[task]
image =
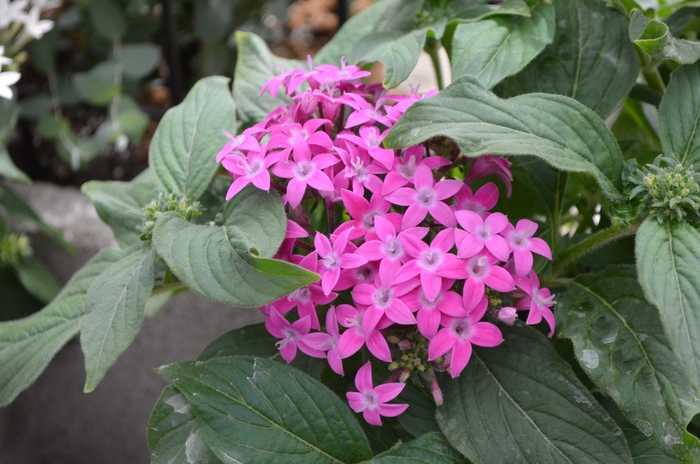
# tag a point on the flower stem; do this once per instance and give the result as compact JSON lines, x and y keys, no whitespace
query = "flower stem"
{"x":432,"y":46}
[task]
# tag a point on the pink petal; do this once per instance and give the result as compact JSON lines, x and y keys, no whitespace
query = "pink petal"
{"x":486,"y":334}
{"x":498,"y":246}
{"x":384,"y":228}
{"x":392,"y":410}
{"x":295,"y":192}
{"x":455,"y":269}
{"x":393,"y":181}
{"x":356,"y":205}
{"x":496,"y":222}
{"x":413,"y":245}
{"x":329,"y":279}
{"x":428,"y":321}
{"x":355,"y":401}
{"x":423,"y":178}
{"x":372,"y":317}
{"x":461,"y":353}
{"x":398,"y":312}
{"x":440,"y":344}
{"x":352,"y":261}
{"x":431,"y":284}
{"x":372,"y":416}
{"x":388,"y":391}
{"x":402,"y":197}
{"x":262,"y":180}
{"x":323,"y":245}
{"x":289,"y":352}
{"x":443,"y":241}
{"x":350,"y":343}
{"x":470,"y":246}
{"x":443,"y":214}
{"x":499,"y":279}
{"x":363,"y":379}
{"x":523,"y":261}
{"x":452,"y":305}
{"x":539,"y":246}
{"x":469,"y":220}
{"x":414,"y":215}
{"x":487,"y":195}
{"x":472,"y":293}
{"x":236,"y":187}
{"x":407,"y":271}
{"x":335,"y":362}
{"x":372,"y":250}
{"x":320,"y":181}
{"x":447,"y":189}
{"x":377,"y":345}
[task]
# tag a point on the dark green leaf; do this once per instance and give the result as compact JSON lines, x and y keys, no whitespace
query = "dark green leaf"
{"x":255,"y":66}
{"x":643,"y":451}
{"x":654,"y":38}
{"x":182,"y":154}
{"x":107,"y":18}
{"x":37,"y":280}
{"x":35,"y":106}
{"x":419,"y":418}
{"x":119,"y":205}
{"x":16,"y":301}
{"x":255,"y":340}
{"x":500,"y":46}
{"x":114,"y":312}
{"x":620,"y":344}
{"x":679,"y":116}
{"x":174,"y":436}
{"x":353,"y":30}
{"x":252,"y":409}
{"x":431,"y":448}
{"x":213,"y":19}
{"x":51,"y":126}
{"x":587,"y":31}
{"x":216,"y":262}
{"x":668,"y":264}
{"x":8,"y":118}
{"x":43,"y":51}
{"x":139,"y":60}
{"x":521,"y":402}
{"x":94,"y":89}
{"x":27,"y":345}
{"x":8,"y":169}
{"x":557,"y":129}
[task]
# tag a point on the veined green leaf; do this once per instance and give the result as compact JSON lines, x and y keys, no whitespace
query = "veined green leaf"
{"x":183,"y":150}
{"x":590,"y":60}
{"x":620,"y":344}
{"x":216,"y":262}
{"x":557,"y":129}
{"x":668,"y":265}
{"x":431,"y":448}
{"x":643,"y":451}
{"x":655,"y":39}
{"x":494,"y":48}
{"x":114,"y":308}
{"x":679,"y":116}
{"x":521,"y":402}
{"x":254,"y":67}
{"x":174,"y":436}
{"x":251,"y":409}
{"x":27,"y":345}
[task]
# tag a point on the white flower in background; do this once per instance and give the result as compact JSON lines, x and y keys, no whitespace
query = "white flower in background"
{"x":3,"y":59}
{"x":33,"y":25}
{"x":6,"y":80}
{"x":11,"y":12}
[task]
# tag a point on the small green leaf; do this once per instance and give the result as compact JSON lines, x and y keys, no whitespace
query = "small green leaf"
{"x":114,"y":312}
{"x":174,"y":436}
{"x":255,"y":410}
{"x":37,"y":280}
{"x":107,"y":18}
{"x":521,"y":402}
{"x":620,"y":344}
{"x":431,"y":448}
{"x":254,"y":67}
{"x":182,"y":154}
{"x":119,"y":205}
{"x":655,"y":39}
{"x":139,"y":60}
{"x":27,"y":345}
{"x":216,"y":263}
{"x":8,"y":118}
{"x":557,"y":129}
{"x":51,"y":126}
{"x":679,"y":116}
{"x":353,"y":30}
{"x":8,"y":169}
{"x":500,"y":46}
{"x":94,"y":89}
{"x":590,"y":60}
{"x":668,"y":264}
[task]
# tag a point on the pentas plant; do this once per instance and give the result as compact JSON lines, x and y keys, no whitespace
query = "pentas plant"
{"x":420,"y":259}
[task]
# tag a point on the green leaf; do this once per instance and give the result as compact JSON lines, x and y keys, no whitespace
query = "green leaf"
{"x":256,"y":65}
{"x":114,"y":312}
{"x":35,"y":106}
{"x":352,"y":31}
{"x":259,"y":216}
{"x":14,"y":206}
{"x":37,"y":280}
{"x":655,"y":39}
{"x":398,"y":51}
{"x":8,"y":169}
{"x":216,"y":262}
{"x":255,"y":340}
{"x":94,"y":89}
{"x":521,"y":402}
{"x":620,"y":344}
{"x":51,"y":126}
{"x":255,"y":410}
{"x":679,"y":116}
{"x":43,"y":51}
{"x":431,"y":448}
{"x":586,"y":31}
{"x":27,"y":345}
{"x":550,"y":183}
{"x":183,"y":149}
{"x":643,"y":451}
{"x":139,"y":60}
{"x":119,"y":205}
{"x":107,"y":18}
{"x":16,"y":301}
{"x":8,"y":118}
{"x":419,"y":418}
{"x":212,"y":20}
{"x":500,"y":46}
{"x":174,"y":436}
{"x":668,"y":265}
{"x":557,"y":129}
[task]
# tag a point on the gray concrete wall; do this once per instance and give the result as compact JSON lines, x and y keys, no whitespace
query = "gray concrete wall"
{"x":54,"y":422}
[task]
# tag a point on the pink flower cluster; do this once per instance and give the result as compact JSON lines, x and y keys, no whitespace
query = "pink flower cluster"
{"x":419,"y":250}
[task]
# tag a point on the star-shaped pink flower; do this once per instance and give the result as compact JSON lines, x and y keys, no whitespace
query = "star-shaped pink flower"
{"x":371,"y":401}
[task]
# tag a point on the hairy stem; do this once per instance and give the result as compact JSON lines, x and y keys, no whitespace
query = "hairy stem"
{"x":432,"y":46}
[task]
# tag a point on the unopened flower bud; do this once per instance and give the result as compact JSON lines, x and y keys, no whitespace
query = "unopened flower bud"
{"x":405,"y":345}
{"x":393,"y":339}
{"x":507,"y":315}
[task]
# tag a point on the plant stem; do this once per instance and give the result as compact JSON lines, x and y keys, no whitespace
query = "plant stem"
{"x":591,"y":243}
{"x":432,"y":46}
{"x":653,"y":78}
{"x":330,"y":212}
